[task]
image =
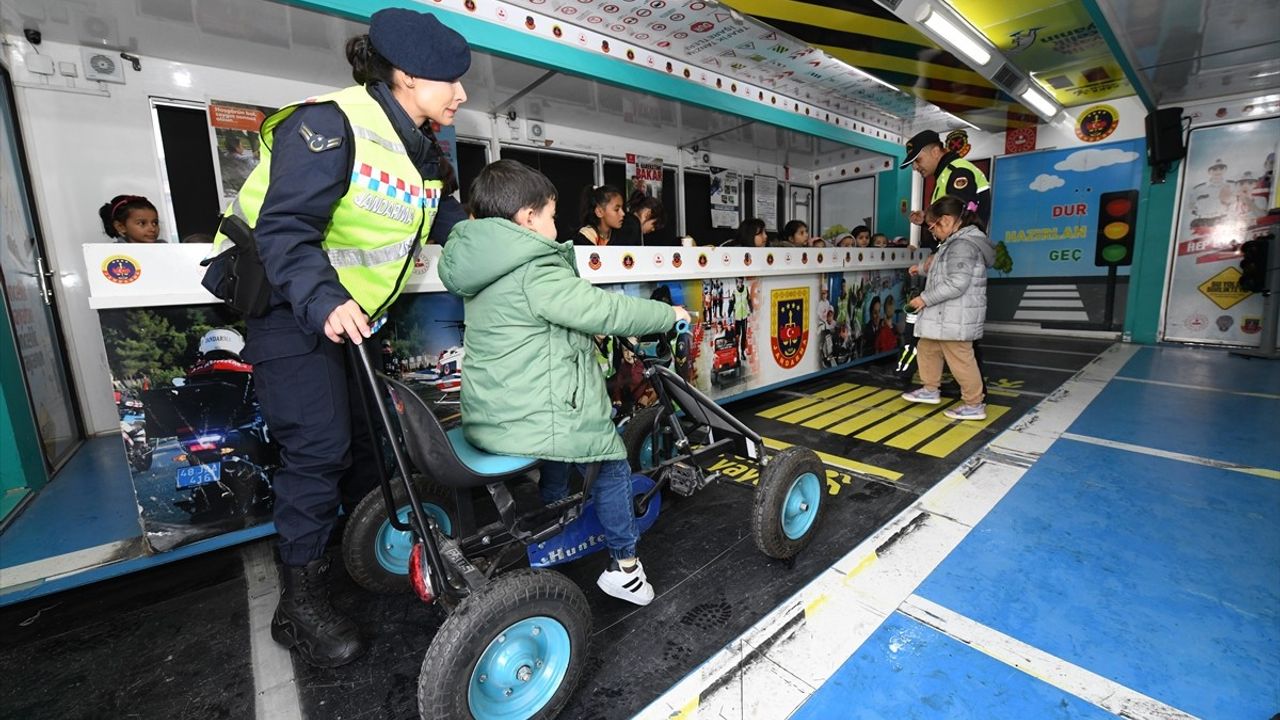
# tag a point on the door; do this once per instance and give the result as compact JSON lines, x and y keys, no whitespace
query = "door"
{"x":28,"y":294}
{"x":802,"y":206}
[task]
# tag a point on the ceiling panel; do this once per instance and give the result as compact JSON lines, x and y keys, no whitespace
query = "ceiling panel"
{"x":1054,"y":41}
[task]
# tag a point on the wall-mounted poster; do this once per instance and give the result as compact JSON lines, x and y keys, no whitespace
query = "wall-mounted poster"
{"x":1226,"y":180}
{"x":236,"y":142}
{"x":724,"y":198}
{"x":765,"y":190}
{"x":644,"y":176}
{"x":1045,"y":206}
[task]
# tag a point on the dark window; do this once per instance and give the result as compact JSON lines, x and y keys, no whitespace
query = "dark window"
{"x":697,"y":211}
{"x":569,"y":173}
{"x":472,"y":157}
{"x":188,"y":163}
{"x":615,"y":174}
{"x":783,"y":210}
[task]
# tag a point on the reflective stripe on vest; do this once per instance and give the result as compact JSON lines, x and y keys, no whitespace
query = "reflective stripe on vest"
{"x":387,"y":210}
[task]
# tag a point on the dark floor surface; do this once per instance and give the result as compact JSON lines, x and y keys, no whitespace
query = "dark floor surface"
{"x":173,"y":642}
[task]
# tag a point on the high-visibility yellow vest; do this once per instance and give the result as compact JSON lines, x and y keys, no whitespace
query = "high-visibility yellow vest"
{"x":384,"y":217}
{"x":944,"y":178}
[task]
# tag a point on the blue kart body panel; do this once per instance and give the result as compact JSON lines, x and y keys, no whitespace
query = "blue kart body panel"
{"x":585,"y":535}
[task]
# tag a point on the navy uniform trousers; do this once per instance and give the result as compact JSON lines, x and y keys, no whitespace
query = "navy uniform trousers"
{"x":306,"y":387}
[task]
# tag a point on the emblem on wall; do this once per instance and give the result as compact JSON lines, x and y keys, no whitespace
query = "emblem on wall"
{"x":1097,"y":123}
{"x":593,"y":261}
{"x":958,"y":142}
{"x":789,"y":325}
{"x":676,"y":261}
{"x":121,"y":269}
{"x":628,"y":261}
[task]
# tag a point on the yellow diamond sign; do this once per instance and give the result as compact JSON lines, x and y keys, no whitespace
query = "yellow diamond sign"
{"x":1224,"y":288}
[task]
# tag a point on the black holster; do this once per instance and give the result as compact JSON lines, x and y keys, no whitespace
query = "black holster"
{"x":236,"y":275}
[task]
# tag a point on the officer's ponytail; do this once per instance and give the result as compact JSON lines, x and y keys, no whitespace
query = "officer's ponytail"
{"x":367,"y":64}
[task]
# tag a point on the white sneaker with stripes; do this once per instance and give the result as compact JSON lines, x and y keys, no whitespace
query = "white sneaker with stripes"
{"x":630,"y":585}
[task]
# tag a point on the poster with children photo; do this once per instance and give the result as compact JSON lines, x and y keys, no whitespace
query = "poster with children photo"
{"x":236,"y":142}
{"x":881,"y":312}
{"x":200,"y":454}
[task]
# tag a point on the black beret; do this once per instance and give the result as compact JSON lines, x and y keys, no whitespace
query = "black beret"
{"x":419,"y":44}
{"x":918,"y":142}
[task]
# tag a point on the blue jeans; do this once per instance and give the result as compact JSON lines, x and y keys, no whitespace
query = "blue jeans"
{"x":612,"y":495}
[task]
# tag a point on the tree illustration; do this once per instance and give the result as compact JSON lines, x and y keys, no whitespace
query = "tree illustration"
{"x":1003,"y":262}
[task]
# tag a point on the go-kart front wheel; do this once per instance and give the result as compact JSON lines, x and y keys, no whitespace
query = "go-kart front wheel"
{"x":646,"y":444}
{"x":789,"y":503}
{"x":513,"y":649}
{"x":375,"y":553}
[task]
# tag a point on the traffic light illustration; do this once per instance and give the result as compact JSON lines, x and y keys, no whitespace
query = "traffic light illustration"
{"x":1117,"y":228}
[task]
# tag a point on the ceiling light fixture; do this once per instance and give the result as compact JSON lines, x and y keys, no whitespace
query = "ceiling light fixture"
{"x":959,"y":119}
{"x":874,"y":79}
{"x":1037,"y":101}
{"x":953,"y":35}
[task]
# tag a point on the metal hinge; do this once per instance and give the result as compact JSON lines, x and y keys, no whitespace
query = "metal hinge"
{"x":45,"y":277}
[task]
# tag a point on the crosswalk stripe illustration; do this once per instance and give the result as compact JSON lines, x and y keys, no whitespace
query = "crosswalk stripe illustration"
{"x":1051,"y":302}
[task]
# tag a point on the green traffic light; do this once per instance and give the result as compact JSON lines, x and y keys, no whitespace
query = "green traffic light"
{"x":1114,"y":253}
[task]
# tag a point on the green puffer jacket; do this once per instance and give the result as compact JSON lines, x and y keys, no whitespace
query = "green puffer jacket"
{"x":531,"y":385}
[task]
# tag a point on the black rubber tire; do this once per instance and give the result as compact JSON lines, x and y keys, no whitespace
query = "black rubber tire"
{"x":360,"y":536}
{"x":638,"y":428}
{"x":462,"y":639}
{"x":771,"y":493}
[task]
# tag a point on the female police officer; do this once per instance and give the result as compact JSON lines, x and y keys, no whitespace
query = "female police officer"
{"x":349,"y":186}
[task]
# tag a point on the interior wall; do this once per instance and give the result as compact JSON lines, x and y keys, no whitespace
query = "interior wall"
{"x":87,"y":145}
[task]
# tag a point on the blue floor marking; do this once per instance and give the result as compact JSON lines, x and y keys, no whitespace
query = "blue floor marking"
{"x":1207,"y":368}
{"x":1161,"y":575}
{"x":908,"y":670}
{"x":1234,"y":428}
{"x":90,"y":502}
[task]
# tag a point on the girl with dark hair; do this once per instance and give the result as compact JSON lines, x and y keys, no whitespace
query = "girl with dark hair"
{"x":751,"y":233}
{"x":796,"y":232}
{"x":130,"y":219}
{"x":336,"y":247}
{"x":601,"y":215}
{"x":953,"y":307}
{"x":645,"y":215}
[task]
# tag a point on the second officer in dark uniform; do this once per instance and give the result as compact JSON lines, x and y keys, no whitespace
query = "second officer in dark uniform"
{"x":351,"y":184}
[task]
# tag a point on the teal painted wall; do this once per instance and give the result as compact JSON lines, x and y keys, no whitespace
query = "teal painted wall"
{"x":1151,"y":258}
{"x":892,"y":188}
{"x":21,"y":463}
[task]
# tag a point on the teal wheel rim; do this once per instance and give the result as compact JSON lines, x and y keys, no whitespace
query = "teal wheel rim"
{"x":520,"y":671}
{"x":392,"y":547}
{"x":800,"y":507}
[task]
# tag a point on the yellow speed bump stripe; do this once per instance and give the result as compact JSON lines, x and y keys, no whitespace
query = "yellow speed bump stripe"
{"x":794,"y":405}
{"x":871,"y":415}
{"x":826,"y":406}
{"x":842,"y":463}
{"x":851,"y":408}
{"x":946,"y":443}
{"x":880,"y":431}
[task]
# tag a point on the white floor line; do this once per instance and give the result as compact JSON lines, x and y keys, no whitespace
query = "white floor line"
{"x":65,"y":564}
{"x":985,"y":345}
{"x":1029,"y":367}
{"x":1065,"y":286}
{"x":773,"y":667}
{"x":1207,"y":388}
{"x":1033,"y":328}
{"x":1091,"y":687}
{"x":1208,"y":462}
{"x":1041,"y":294}
{"x":276,"y":690}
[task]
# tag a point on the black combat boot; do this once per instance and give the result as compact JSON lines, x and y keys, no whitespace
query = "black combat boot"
{"x":306,"y":621}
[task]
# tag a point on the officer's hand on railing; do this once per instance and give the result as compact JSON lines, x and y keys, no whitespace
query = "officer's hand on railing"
{"x":348,"y":319}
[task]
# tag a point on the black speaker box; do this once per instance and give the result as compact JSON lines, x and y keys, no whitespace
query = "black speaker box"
{"x":1164,"y":136}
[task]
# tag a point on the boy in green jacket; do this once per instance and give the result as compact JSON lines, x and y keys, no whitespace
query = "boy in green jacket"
{"x":530,"y":383}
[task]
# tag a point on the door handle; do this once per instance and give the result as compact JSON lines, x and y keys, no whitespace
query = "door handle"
{"x":45,"y":277}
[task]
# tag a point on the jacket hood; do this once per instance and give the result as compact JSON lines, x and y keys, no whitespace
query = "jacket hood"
{"x":979,"y":240}
{"x":480,"y":252}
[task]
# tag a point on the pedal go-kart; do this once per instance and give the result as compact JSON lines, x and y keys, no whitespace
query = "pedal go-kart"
{"x":514,"y":642}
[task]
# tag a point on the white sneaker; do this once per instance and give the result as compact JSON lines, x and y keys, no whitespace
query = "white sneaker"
{"x":631,"y":586}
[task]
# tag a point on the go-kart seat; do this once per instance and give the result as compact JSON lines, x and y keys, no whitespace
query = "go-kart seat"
{"x":447,"y":457}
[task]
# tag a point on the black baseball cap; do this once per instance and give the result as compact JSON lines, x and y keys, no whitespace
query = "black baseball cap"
{"x":918,"y":142}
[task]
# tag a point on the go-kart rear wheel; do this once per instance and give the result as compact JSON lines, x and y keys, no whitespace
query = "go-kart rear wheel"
{"x":788,"y":503}
{"x":375,"y":553}
{"x":514,"y":649}
{"x":645,"y":448}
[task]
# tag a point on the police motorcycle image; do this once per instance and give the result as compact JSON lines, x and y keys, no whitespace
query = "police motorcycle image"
{"x":139,"y":451}
{"x":514,"y":641}
{"x":224,"y":455}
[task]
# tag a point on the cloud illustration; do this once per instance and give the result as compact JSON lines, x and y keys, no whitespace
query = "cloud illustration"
{"x":1045,"y":182}
{"x":1091,"y":159}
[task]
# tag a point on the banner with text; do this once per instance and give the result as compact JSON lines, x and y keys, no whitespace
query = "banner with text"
{"x":724,"y":198}
{"x":1045,"y":208}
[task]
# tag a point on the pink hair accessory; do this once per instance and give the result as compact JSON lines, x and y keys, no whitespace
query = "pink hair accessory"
{"x":972,"y":206}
